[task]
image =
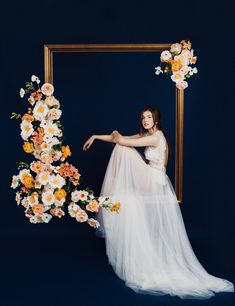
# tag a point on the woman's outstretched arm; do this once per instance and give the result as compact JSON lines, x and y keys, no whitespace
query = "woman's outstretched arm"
{"x":88,"y":143}
{"x":151,"y":140}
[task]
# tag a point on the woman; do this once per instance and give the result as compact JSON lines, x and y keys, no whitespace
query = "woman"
{"x":146,"y":243}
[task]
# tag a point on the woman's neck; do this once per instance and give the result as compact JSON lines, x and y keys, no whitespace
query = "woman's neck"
{"x":152,"y":131}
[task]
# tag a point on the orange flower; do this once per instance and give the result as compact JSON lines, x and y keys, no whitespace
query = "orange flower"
{"x":27,"y":117}
{"x":175,"y":65}
{"x":28,"y":147}
{"x":186,"y":44}
{"x":38,"y":209}
{"x":66,"y":151}
{"x":116,"y":207}
{"x":193,"y":60}
{"x":60,"y":194}
{"x":27,"y":180}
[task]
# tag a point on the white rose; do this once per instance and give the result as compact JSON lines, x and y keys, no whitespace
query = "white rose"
{"x":165,"y":56}
{"x":176,"y":48}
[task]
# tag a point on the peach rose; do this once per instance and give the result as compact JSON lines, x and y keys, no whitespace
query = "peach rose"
{"x":52,"y":101}
{"x":27,"y":117}
{"x":38,"y":209}
{"x":47,"y":89}
{"x":45,"y":158}
{"x":81,"y":216}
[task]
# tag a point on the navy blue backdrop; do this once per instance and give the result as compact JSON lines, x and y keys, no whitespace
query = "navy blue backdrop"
{"x":63,"y":263}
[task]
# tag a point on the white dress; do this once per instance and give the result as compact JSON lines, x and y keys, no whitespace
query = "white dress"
{"x":146,"y":242}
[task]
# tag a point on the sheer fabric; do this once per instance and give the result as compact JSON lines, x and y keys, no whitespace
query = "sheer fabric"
{"x":146,"y":242}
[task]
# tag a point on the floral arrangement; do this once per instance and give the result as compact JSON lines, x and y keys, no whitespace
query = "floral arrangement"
{"x":177,"y":62}
{"x":48,"y":184}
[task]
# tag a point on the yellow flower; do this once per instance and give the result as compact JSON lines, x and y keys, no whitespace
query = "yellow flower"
{"x":28,"y":147}
{"x":116,"y":207}
{"x":27,"y":180}
{"x":60,"y":194}
{"x":175,"y":65}
{"x":66,"y":151}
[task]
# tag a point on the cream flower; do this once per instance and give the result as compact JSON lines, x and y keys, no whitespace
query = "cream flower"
{"x":18,"y":198}
{"x":54,"y":114}
{"x":48,"y":197}
{"x":176,"y":47}
{"x":47,"y":89}
{"x":34,"y":78}
{"x":23,"y":173}
{"x":195,"y":70}
{"x":158,"y":70}
{"x":93,"y":223}
{"x":46,"y":217}
{"x":81,"y":216}
{"x":52,"y":101}
{"x":33,"y":219}
{"x":22,"y":92}
{"x":185,"y":69}
{"x":25,"y":202}
{"x":165,"y":56}
{"x":44,"y":177}
{"x":33,"y":199}
{"x":37,"y":153}
{"x":177,"y":76}
{"x":45,"y":147}
{"x":40,"y":110}
{"x":57,"y":181}
{"x":183,"y":59}
{"x":51,"y":129}
{"x":79,"y":195}
{"x":26,"y":129}
{"x":15,"y":181}
{"x":73,"y":209}
{"x":182,"y":85}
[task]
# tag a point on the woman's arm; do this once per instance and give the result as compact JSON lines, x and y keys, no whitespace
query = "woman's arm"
{"x":151,"y":140}
{"x":132,"y":136}
{"x":89,"y":142}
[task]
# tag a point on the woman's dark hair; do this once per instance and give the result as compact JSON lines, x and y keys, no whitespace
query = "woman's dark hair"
{"x":156,"y":114}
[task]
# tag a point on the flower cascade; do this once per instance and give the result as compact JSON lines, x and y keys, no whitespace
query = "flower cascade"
{"x":49,"y":183}
{"x":177,"y":63}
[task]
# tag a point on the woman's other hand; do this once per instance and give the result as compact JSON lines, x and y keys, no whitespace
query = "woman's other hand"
{"x":88,"y":143}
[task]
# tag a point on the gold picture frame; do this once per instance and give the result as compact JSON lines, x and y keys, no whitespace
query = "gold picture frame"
{"x":50,"y":49}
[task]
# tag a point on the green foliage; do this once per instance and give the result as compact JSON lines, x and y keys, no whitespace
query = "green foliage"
{"x":15,"y":116}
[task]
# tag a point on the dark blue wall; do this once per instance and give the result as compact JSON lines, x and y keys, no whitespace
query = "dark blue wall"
{"x":53,"y":258}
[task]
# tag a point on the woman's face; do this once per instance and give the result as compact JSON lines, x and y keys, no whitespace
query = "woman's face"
{"x":147,"y":120}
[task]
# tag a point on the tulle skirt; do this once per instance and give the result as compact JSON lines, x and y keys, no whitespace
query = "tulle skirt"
{"x":146,"y":242}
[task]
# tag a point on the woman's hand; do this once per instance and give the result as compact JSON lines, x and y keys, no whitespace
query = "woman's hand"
{"x":116,"y":137}
{"x":88,"y":143}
